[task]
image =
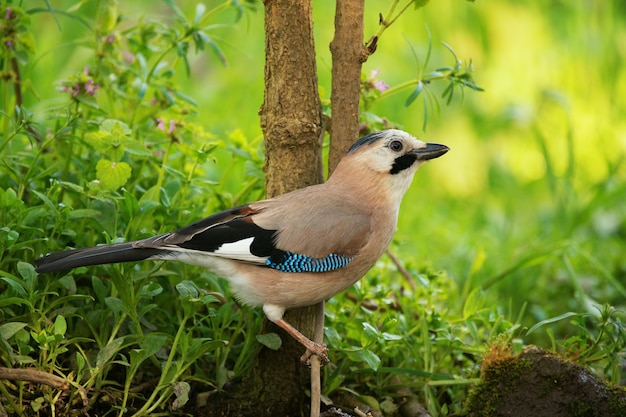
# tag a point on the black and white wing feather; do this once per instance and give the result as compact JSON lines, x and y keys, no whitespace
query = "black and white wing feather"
{"x":231,"y":234}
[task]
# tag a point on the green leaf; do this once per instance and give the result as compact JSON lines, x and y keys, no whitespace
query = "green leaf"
{"x":391,"y":337}
{"x":474,"y":302}
{"x":99,"y":140}
{"x":107,"y":15}
{"x":27,"y":271}
{"x":434,"y":75}
{"x":116,"y":128}
{"x":136,"y":357}
{"x":131,"y":205}
{"x":200,"y":10}
{"x":60,"y":326}
{"x":150,"y":199}
{"x":417,"y":373}
{"x":111,"y":138}
{"x":112,"y":175}
{"x":150,"y":290}
{"x":141,"y":59}
{"x":414,"y":94}
{"x":370,"y":332}
{"x":365,"y":355}
{"x":333,"y":337}
{"x":187,"y":289}
{"x":186,"y":98}
{"x":13,"y":301}
{"x":176,"y":10}
{"x":270,"y":340}
{"x":99,"y":289}
{"x":9,"y":198}
{"x":7,"y":330}
{"x":372,"y":360}
{"x":82,"y":213}
{"x":80,"y":362}
{"x":71,"y":186}
{"x":117,"y":305}
{"x":37,"y":403}
{"x":551,"y":320}
{"x":42,"y":338}
{"x":136,"y":147}
{"x":153,"y":342}
{"x":109,"y":351}
{"x":45,"y":200}
{"x":181,"y":390}
{"x":217,"y":51}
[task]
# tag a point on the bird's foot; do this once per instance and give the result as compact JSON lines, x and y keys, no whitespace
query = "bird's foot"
{"x":318,"y":349}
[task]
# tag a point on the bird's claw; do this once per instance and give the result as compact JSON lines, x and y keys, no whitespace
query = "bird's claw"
{"x":318,"y":349}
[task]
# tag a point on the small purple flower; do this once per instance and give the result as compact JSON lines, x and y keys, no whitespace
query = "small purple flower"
{"x":9,"y":43}
{"x":75,"y":90}
{"x":86,"y":70}
{"x":91,"y":87}
{"x":172,"y":126}
{"x":381,"y":86}
{"x":8,"y":13}
{"x":160,"y":124}
{"x":153,"y":101}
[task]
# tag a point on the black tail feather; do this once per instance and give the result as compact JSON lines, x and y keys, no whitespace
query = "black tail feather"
{"x":107,"y":254}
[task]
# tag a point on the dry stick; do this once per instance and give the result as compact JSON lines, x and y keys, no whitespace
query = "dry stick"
{"x":33,"y":375}
{"x":316,"y":374}
{"x":405,"y":273}
{"x":318,"y":337}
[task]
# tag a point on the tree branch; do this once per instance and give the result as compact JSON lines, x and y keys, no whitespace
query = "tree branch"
{"x":34,"y":375}
{"x":348,"y":54}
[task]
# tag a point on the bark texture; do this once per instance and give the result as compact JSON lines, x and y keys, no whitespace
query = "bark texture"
{"x":348,"y":54}
{"x":291,"y":119}
{"x":291,"y":122}
{"x":291,"y":111}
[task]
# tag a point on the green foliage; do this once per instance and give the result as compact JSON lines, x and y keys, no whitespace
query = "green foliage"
{"x":66,"y":170}
{"x":457,"y":76}
{"x":517,"y":235}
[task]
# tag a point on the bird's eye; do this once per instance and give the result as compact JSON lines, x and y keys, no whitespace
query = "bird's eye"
{"x":395,"y":145}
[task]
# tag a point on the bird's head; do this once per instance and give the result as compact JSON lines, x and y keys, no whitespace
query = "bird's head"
{"x":388,"y":158}
{"x":394,"y":151}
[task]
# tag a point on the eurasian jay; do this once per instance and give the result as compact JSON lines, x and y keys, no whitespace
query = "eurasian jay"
{"x":297,"y":249}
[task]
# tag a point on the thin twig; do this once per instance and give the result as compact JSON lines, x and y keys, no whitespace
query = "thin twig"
{"x":34,"y":375}
{"x":405,"y":273}
{"x":316,"y":374}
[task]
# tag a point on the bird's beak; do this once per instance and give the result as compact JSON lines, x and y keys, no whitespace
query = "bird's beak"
{"x":431,"y":151}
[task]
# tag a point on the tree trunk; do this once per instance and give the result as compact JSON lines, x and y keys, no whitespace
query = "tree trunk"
{"x":348,"y":54}
{"x":291,"y":111}
{"x":291,"y":119}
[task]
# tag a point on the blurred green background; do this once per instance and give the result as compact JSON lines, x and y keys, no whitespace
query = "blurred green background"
{"x":523,"y":221}
{"x":530,"y":202}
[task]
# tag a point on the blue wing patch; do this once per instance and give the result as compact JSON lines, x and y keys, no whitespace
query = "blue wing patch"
{"x":293,"y":262}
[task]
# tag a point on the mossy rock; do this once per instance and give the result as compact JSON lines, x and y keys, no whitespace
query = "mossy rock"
{"x":540,"y":383}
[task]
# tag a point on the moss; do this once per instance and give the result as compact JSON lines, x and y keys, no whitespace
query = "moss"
{"x":540,"y":383}
{"x":580,"y":408}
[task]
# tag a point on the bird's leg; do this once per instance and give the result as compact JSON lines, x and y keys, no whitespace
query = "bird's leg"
{"x":312,"y":348}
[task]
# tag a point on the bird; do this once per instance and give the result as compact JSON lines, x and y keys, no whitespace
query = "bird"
{"x":296,"y":249}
